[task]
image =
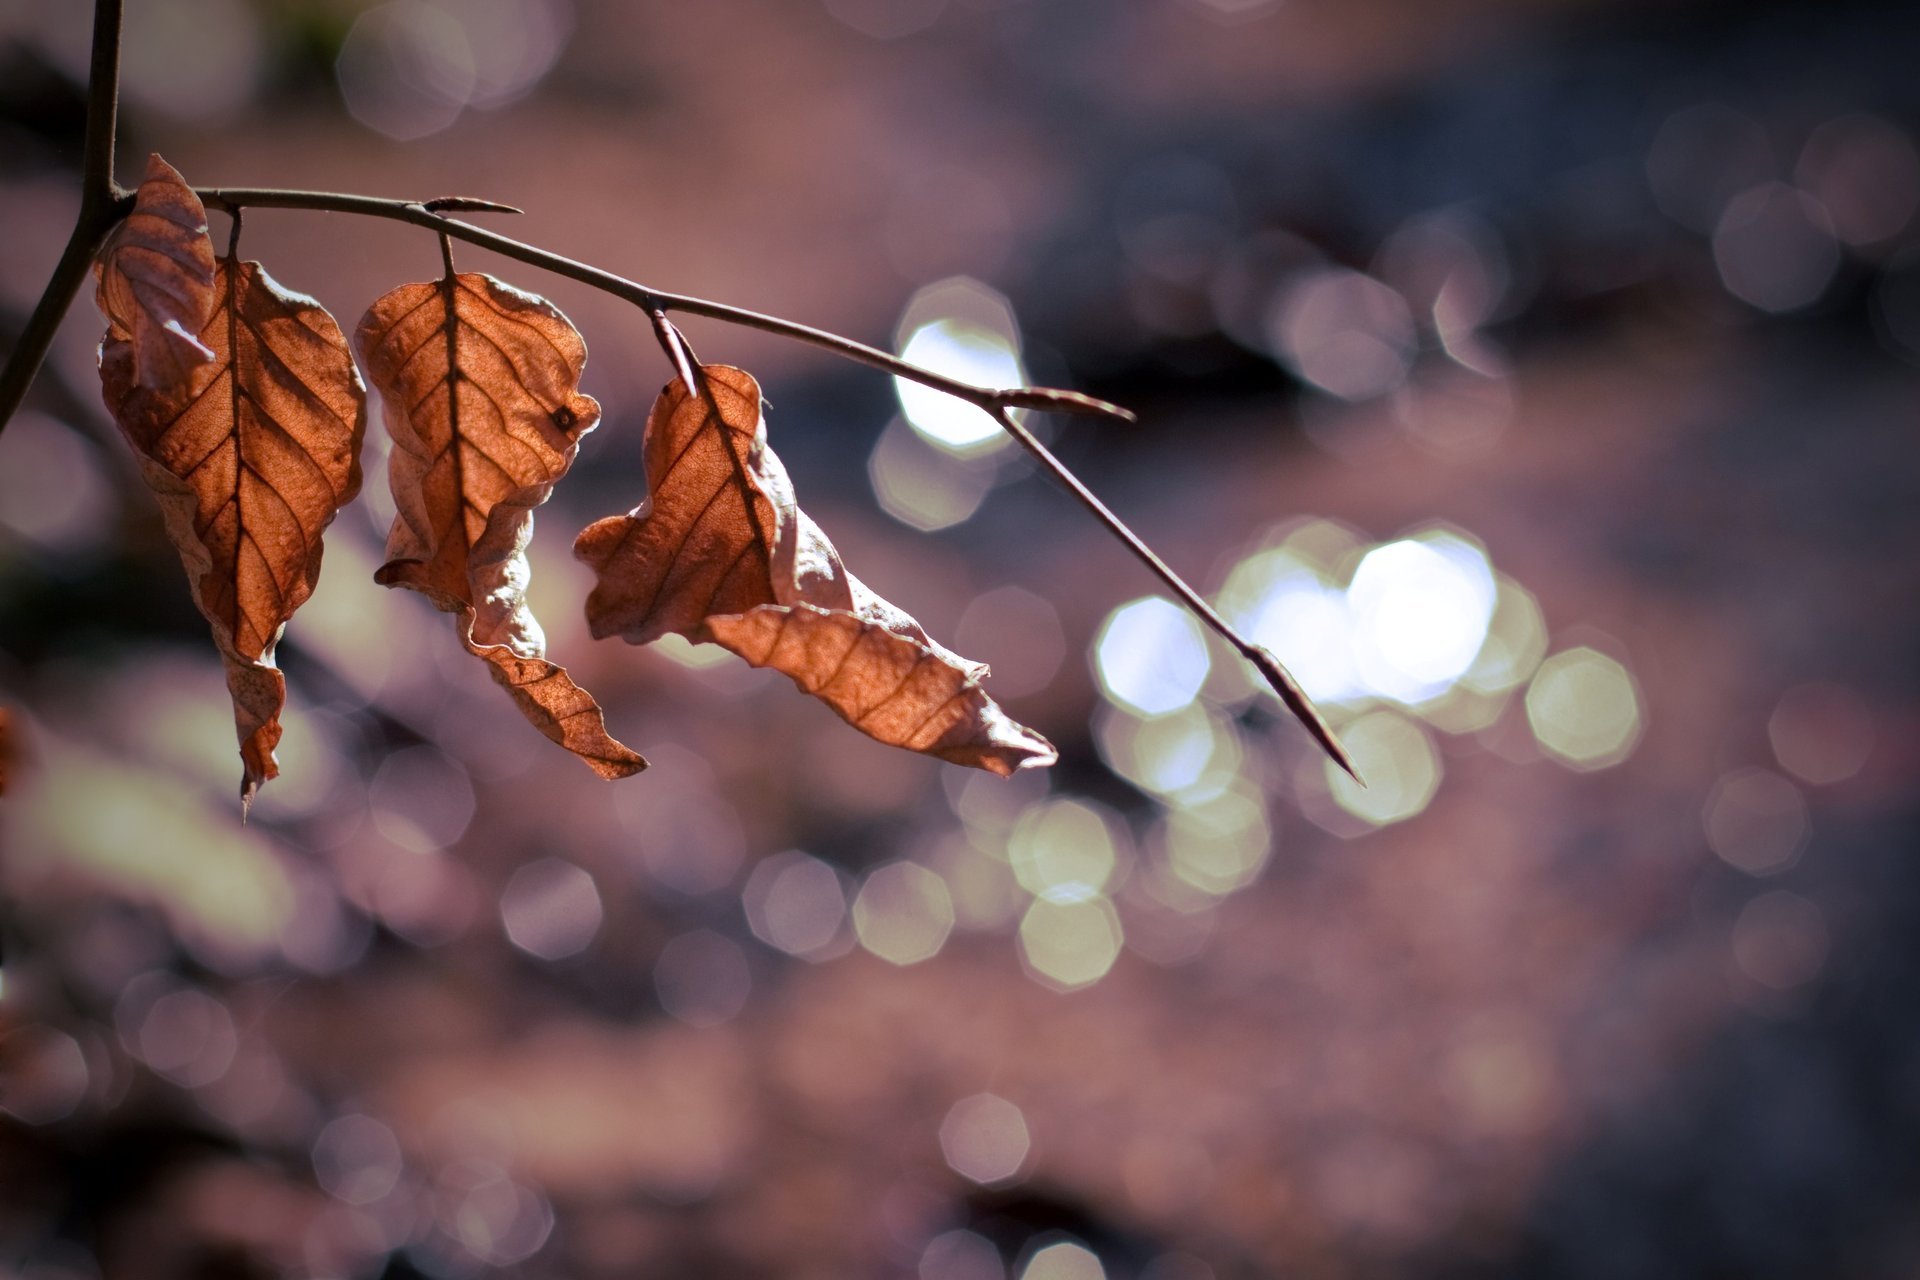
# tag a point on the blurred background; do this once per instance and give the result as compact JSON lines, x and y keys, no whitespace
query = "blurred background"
{"x":1536,"y":377}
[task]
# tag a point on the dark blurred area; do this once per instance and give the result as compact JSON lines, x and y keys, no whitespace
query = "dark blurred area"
{"x":1536,"y":377}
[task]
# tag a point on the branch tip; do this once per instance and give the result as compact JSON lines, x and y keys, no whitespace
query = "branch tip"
{"x":1302,"y":707}
{"x":1053,"y":400}
{"x":467,"y":204}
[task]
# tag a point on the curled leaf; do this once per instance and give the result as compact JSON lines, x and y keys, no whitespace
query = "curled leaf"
{"x":884,"y":684}
{"x":703,"y":541}
{"x":156,"y":284}
{"x":250,"y":453}
{"x":722,"y":552}
{"x":480,"y":388}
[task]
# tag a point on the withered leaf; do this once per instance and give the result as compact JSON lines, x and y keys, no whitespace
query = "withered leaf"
{"x":721,"y":552}
{"x":250,"y":454}
{"x":480,"y":384}
{"x":884,"y":684}
{"x":703,"y":541}
{"x":156,"y":280}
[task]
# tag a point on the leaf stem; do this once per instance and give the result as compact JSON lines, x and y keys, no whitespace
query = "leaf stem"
{"x":1262,"y":658}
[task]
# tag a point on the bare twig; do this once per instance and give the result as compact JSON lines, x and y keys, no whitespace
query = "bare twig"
{"x":1262,"y":658}
{"x":654,"y":300}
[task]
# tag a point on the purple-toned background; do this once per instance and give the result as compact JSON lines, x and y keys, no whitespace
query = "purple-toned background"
{"x":1537,"y":378}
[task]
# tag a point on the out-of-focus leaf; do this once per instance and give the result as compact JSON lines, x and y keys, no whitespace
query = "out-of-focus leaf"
{"x":721,"y":552}
{"x":156,"y":281}
{"x":250,"y":452}
{"x":480,"y":384}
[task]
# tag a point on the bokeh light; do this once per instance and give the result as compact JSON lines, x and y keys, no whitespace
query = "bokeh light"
{"x":1344,"y":332}
{"x":406,"y":69}
{"x":985,"y":1139}
{"x":1018,"y":634}
{"x":795,"y":902}
{"x":1821,"y":733}
{"x":1218,"y":845}
{"x":1286,"y":602}
{"x":923,"y":485}
{"x":1150,"y":656}
{"x":693,"y":845}
{"x":961,"y":1255}
{"x":409,"y":68}
{"x":1865,"y":171}
{"x":494,"y":1218}
{"x":551,"y":909}
{"x":1702,"y":156}
{"x":903,"y":913}
{"x":966,"y":331}
{"x":1397,"y":758}
{"x":180,"y":1031}
{"x":1410,"y":622}
{"x":1775,"y":248}
{"x":1420,"y":609}
{"x":1584,"y":708}
{"x":1186,"y":755}
{"x":1515,"y":643}
{"x":46,"y":1074}
{"x":1070,"y":943}
{"x":1063,"y":1260}
{"x":1064,"y":848}
{"x":1756,"y":820}
{"x":357,"y":1159}
{"x":422,"y":798}
{"x":57,"y":498}
{"x":702,"y":978}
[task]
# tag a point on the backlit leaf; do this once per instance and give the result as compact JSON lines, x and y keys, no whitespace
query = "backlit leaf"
{"x":884,"y":684}
{"x":480,"y":384}
{"x":156,"y":280}
{"x":251,"y":451}
{"x":703,"y":542}
{"x":721,"y":552}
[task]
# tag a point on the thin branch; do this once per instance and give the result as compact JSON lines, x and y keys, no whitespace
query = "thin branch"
{"x":654,"y":300}
{"x":101,"y":209}
{"x":37,"y":338}
{"x":1262,"y":658}
{"x":97,"y":188}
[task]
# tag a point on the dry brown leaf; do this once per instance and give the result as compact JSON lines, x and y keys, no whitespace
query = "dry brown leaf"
{"x":884,"y":684}
{"x":703,"y":541}
{"x":480,"y":384}
{"x":721,"y":551}
{"x":250,"y":453}
{"x":156,"y":280}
